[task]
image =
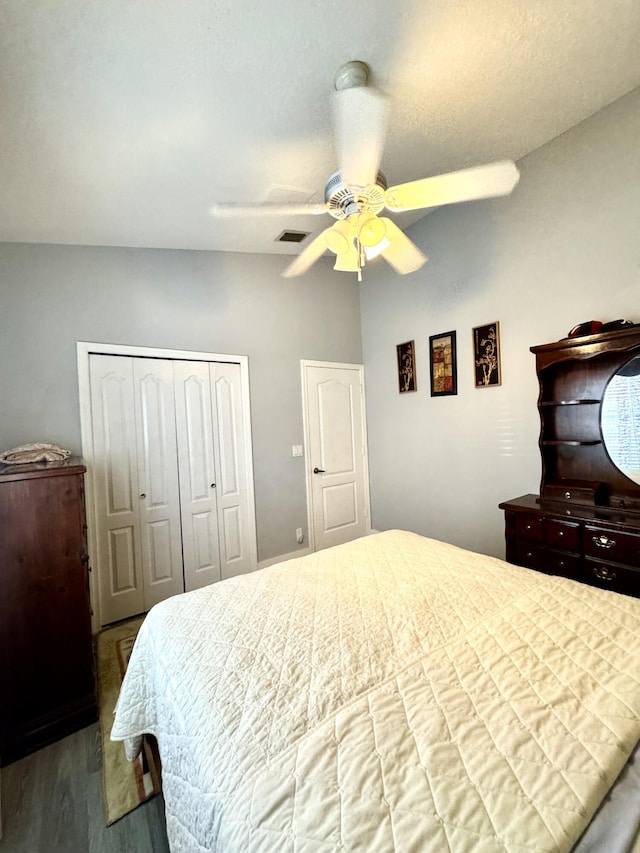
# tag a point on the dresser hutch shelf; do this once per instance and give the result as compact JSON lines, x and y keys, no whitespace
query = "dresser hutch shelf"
{"x":585,"y":523}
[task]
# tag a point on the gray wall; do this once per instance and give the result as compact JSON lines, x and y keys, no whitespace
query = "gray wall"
{"x":562,"y":249}
{"x":53,"y":296}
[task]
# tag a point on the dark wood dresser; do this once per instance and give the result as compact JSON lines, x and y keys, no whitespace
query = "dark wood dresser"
{"x":588,"y":544}
{"x":46,"y":653}
{"x":585,"y":524}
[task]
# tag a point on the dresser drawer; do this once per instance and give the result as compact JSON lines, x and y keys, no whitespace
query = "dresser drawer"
{"x":529,"y":527}
{"x":563,"y":564}
{"x":548,"y":560}
{"x":612,"y":576}
{"x":562,"y":534}
{"x":588,"y":492}
{"x":531,"y":555}
{"x":612,"y":545}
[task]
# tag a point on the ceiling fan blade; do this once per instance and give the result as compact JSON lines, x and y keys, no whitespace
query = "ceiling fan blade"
{"x":308,"y":256}
{"x":231,"y":210}
{"x":402,"y":253}
{"x":495,"y":179}
{"x":360,"y":119}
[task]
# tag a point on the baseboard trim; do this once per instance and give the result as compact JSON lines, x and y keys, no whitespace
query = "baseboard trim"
{"x":302,"y":552}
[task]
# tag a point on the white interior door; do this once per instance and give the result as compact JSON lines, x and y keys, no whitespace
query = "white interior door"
{"x":115,"y":487}
{"x":235,"y":499}
{"x":336,"y":453}
{"x":196,"y":461}
{"x":158,"y":494}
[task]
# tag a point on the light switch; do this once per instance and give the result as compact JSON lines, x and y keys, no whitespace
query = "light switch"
{"x":296,"y":450}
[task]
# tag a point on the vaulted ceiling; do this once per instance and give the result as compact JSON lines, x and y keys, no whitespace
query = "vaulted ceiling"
{"x":123,"y":122}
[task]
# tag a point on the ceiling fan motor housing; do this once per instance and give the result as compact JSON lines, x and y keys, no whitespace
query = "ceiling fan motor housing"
{"x":343,"y":200}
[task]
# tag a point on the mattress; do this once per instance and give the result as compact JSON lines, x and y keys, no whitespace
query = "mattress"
{"x":392,"y":694}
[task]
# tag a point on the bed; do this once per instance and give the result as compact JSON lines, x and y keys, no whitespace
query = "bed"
{"x":392,"y":694}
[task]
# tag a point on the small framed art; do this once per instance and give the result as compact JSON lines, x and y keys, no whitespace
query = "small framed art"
{"x":486,"y":355}
{"x":442,"y":361}
{"x":406,"y":367}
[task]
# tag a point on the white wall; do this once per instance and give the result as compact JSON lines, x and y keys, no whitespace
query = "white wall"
{"x":53,"y":296}
{"x":562,"y":249}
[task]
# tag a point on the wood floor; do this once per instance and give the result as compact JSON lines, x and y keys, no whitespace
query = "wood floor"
{"x":52,"y":803}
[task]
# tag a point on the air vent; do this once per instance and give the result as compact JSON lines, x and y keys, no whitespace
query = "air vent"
{"x":292,"y":236}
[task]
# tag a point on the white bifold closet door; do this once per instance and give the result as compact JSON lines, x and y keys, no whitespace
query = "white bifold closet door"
{"x":214,"y":497}
{"x":171,"y":479}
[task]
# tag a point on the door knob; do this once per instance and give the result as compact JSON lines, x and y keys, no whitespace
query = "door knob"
{"x":318,"y":470}
{"x":213,"y":485}
{"x":142,"y":496}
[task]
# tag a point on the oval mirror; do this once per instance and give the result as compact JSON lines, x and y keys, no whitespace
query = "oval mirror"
{"x":620,"y":419}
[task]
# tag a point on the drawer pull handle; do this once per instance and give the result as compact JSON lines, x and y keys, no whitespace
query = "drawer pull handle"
{"x":529,"y":555}
{"x":603,"y":542}
{"x":567,"y":495}
{"x":528,"y":527}
{"x":603,"y":573}
{"x":561,"y":533}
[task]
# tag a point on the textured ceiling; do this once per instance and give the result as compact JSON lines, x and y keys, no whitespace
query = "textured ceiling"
{"x":122,"y":122}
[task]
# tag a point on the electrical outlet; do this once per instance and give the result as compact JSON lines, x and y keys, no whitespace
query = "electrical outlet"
{"x":299,"y":536}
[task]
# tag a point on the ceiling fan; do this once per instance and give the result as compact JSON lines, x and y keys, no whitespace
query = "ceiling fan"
{"x":357,"y":193}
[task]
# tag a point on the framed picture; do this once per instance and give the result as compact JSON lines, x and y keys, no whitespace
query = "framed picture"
{"x":406,"y":367}
{"x":442,"y":360}
{"x":486,"y":355}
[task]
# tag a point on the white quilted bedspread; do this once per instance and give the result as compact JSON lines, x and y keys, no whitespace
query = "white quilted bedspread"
{"x":392,"y":694}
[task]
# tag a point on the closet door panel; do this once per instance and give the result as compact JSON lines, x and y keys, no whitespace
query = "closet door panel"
{"x":119,"y":554}
{"x":122,"y":559}
{"x":232,"y":526}
{"x":159,"y":494}
{"x":233,"y":495}
{"x":198,"y":487}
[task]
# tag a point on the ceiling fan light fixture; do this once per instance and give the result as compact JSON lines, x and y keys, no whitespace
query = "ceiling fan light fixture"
{"x":347,"y":261}
{"x":337,"y":242}
{"x":371,"y":230}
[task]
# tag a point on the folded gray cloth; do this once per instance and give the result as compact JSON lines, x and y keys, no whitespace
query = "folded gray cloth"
{"x":38,"y":452}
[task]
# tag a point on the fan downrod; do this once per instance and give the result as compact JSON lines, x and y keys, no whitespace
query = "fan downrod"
{"x":350,"y":75}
